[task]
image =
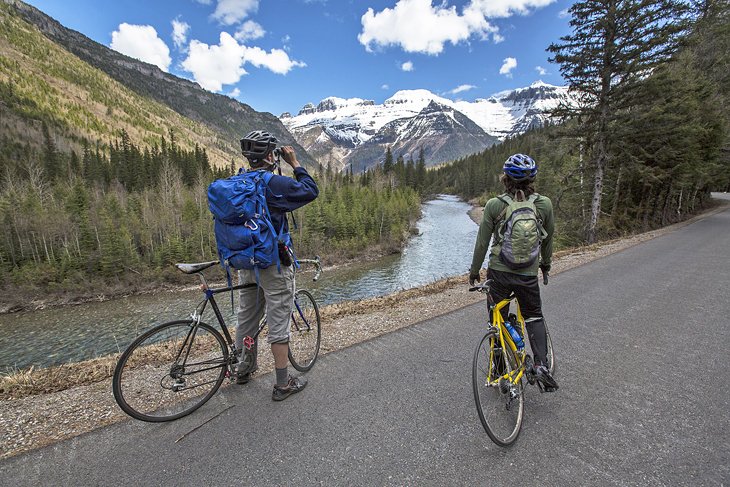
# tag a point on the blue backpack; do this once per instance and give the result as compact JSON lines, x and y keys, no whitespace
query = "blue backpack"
{"x":244,"y":233}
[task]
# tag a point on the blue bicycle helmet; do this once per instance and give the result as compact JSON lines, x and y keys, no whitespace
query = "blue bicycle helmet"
{"x":519,"y":167}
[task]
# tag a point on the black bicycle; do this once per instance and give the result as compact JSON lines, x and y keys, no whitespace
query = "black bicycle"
{"x":171,"y":370}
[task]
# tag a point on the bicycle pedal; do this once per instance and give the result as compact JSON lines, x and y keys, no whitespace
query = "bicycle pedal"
{"x":531,"y":379}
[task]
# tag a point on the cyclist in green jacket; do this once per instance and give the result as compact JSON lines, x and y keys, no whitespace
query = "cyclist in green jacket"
{"x":519,"y":174}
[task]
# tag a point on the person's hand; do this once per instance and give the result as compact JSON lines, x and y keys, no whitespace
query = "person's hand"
{"x":474,"y":279}
{"x":545,"y":268}
{"x":287,"y":153}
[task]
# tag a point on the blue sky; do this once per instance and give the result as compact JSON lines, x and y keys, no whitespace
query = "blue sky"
{"x":277,"y":55}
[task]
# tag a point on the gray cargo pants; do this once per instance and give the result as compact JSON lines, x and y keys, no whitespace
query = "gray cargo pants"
{"x":274,"y":294}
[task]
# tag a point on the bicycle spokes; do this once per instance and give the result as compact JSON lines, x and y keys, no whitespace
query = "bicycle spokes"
{"x":299,"y":316}
{"x":170,"y":371}
{"x":497,"y":384}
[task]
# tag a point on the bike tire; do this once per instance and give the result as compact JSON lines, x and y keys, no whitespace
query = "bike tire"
{"x":550,"y":351}
{"x":502,"y":423}
{"x":170,"y":371}
{"x":306,"y":332}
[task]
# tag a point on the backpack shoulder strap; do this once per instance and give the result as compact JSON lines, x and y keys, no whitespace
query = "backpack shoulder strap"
{"x":267,"y":175}
{"x":543,"y":233}
{"x":505,"y":198}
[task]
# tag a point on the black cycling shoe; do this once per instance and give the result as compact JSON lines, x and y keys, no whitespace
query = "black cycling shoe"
{"x":545,"y":380}
{"x":244,"y":377}
{"x":293,"y":385}
{"x":247,"y":366}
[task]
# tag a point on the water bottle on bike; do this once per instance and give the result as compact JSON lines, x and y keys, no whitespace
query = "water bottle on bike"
{"x":510,"y":324}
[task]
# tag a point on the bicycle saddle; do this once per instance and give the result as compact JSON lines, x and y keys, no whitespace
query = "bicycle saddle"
{"x":193,"y":268}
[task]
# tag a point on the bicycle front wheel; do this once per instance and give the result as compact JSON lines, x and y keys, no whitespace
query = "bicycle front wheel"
{"x":306,"y":333}
{"x":170,"y":371}
{"x":499,"y":402}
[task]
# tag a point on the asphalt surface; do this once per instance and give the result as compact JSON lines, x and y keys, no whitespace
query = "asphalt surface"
{"x":641,"y":338}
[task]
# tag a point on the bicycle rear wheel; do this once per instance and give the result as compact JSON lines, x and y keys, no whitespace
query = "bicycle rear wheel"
{"x":500,"y":404}
{"x":170,"y":371}
{"x":550,"y":353}
{"x":306,"y":333}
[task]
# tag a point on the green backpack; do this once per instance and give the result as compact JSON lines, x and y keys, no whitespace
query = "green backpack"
{"x":520,"y":233}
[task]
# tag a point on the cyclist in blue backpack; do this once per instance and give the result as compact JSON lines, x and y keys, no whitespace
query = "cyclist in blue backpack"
{"x":275,"y":290}
{"x":516,"y":256}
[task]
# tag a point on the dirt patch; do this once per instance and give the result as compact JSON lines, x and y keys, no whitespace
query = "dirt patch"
{"x":86,"y":402}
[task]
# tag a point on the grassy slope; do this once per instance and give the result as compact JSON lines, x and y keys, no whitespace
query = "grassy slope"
{"x":79,"y":101}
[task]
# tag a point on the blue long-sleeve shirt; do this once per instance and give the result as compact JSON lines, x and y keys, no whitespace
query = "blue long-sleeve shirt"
{"x":286,"y":194}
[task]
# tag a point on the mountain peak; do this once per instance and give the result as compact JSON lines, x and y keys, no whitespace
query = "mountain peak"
{"x":411,"y":96}
{"x":344,"y":130}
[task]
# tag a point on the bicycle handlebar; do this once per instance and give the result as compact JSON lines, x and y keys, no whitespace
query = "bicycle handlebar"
{"x":317,"y":266}
{"x":482,"y":288}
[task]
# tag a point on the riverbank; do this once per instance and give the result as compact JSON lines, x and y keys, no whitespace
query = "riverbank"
{"x":29,"y":419}
{"x":14,"y":301}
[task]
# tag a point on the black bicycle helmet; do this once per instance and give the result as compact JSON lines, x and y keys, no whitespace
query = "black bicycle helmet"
{"x":257,"y":144}
{"x":520,"y":167}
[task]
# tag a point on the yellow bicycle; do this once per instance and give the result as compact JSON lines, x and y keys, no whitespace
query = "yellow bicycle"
{"x":500,"y":369}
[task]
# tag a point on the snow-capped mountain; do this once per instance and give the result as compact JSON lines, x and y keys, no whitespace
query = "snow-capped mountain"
{"x":355,"y":131}
{"x":441,"y":131}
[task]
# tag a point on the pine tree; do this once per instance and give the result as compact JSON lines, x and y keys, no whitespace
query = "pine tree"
{"x":50,"y":154}
{"x":614,"y":45}
{"x":388,"y":164}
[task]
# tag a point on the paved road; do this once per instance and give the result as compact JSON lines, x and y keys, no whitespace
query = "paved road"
{"x":641,"y":339}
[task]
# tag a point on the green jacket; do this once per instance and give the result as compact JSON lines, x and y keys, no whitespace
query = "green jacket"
{"x":488,"y":230}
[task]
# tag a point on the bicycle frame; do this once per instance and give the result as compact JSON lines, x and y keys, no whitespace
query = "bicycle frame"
{"x":505,"y":339}
{"x":211,"y":292}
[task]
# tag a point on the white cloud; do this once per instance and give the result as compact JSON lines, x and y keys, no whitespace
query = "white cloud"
{"x":461,"y":89}
{"x":494,"y":9}
{"x":215,"y":66}
{"x":276,"y":60}
{"x":223,"y":64}
{"x":564,"y":14}
{"x":508,"y":65}
{"x":141,"y":42}
{"x":540,"y":70}
{"x":385,"y":87}
{"x":407,"y":66}
{"x":419,"y":26}
{"x":204,"y":2}
{"x":249,"y":30}
{"x":230,"y":12}
{"x":235,"y":93}
{"x":180,"y":31}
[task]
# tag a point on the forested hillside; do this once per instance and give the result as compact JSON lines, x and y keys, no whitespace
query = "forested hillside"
{"x":78,"y":223}
{"x":651,"y":137}
{"x":103,"y":188}
{"x":46,"y":91}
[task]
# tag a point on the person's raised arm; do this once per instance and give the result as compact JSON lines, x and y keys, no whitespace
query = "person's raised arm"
{"x":482,"y":244}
